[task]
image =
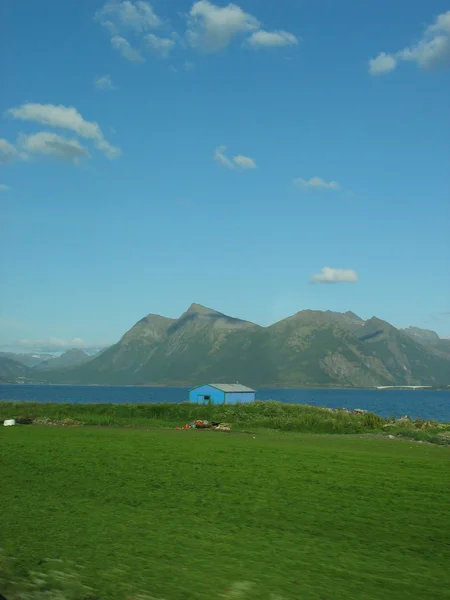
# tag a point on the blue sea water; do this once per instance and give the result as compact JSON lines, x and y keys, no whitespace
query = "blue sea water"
{"x":426,"y":404}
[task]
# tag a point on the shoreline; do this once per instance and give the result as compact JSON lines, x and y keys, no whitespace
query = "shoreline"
{"x":388,"y":388}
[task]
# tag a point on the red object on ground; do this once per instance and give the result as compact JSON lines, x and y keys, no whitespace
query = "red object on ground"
{"x":178,"y":428}
{"x":186,"y":426}
{"x":198,"y":422}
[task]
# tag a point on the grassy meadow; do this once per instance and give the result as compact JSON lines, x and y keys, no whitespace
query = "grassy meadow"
{"x":255,"y":415}
{"x":93,"y":513}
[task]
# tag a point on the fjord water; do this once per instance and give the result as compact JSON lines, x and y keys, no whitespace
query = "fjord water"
{"x":426,"y":404}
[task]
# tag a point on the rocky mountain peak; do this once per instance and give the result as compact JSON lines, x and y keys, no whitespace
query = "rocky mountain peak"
{"x":199,"y":309}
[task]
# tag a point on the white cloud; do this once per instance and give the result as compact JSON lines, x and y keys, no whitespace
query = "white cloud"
{"x":442,"y":24}
{"x":317,"y":183}
{"x":123,"y":46}
{"x":138,"y":16}
{"x":271,"y":39}
{"x":219,"y":157}
{"x":104,"y":83}
{"x":211,"y":28}
{"x":383,"y":63}
{"x":54,"y":145}
{"x":430,"y":51}
{"x":329,"y":275}
{"x":8,"y":152}
{"x":4,"y":188}
{"x":65,"y":117}
{"x":244,"y":162}
{"x":434,"y":47}
{"x":54,"y":344}
{"x":159,"y":45}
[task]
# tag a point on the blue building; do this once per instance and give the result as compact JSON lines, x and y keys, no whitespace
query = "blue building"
{"x":221,"y":393}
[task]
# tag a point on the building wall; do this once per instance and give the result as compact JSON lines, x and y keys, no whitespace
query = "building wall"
{"x":234,"y":397}
{"x":198,"y":395}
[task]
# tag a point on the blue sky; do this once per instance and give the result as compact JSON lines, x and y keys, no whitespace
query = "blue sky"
{"x":259,"y":158}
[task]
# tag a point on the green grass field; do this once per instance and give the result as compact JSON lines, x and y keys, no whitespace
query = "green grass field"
{"x":255,"y":415}
{"x":180,"y":515}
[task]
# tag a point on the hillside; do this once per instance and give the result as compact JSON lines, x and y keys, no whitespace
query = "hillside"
{"x":426,"y":336}
{"x":11,"y":370}
{"x":27,"y":359}
{"x":430,"y":339}
{"x":311,"y":348}
{"x":69,"y":358}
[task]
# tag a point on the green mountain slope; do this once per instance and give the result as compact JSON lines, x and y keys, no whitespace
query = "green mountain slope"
{"x":27,"y":359}
{"x":422,"y":335}
{"x":122,"y":362}
{"x":12,"y":370}
{"x":311,"y":348}
{"x":406,"y":361}
{"x":69,"y":358}
{"x":430,"y":339}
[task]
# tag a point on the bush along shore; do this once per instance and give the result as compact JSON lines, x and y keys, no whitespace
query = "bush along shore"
{"x":255,"y":415}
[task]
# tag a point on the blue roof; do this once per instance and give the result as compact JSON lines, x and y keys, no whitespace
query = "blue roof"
{"x":227,"y":387}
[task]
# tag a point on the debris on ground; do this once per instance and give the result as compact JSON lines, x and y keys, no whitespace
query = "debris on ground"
{"x":57,"y":423}
{"x":203,"y":424}
{"x":223,"y":427}
{"x":16,"y":421}
{"x":41,"y":421}
{"x":24,"y":421}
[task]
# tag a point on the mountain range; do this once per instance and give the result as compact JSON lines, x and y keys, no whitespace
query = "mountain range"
{"x":26,"y":367}
{"x":309,"y":349}
{"x":26,"y":358}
